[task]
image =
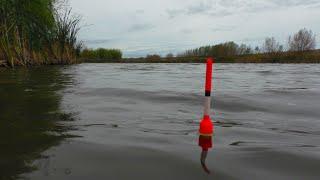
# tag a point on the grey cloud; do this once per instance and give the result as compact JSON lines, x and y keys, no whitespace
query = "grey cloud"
{"x":248,"y":4}
{"x":263,"y":5}
{"x":221,"y":8}
{"x":253,"y":39}
{"x":140,"y":11}
{"x":172,"y":13}
{"x":315,"y":6}
{"x":186,"y":31}
{"x":294,"y":2}
{"x":141,"y":27}
{"x":200,"y":7}
{"x":223,"y":28}
{"x":219,"y":13}
{"x":98,"y":41}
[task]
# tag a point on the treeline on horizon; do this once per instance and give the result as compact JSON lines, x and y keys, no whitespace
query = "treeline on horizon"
{"x":36,"y":32}
{"x":300,"y":48}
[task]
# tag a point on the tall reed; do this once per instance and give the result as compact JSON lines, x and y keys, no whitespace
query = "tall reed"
{"x":34,"y":32}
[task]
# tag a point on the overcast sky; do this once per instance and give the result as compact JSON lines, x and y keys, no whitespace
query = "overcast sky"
{"x":139,"y":27}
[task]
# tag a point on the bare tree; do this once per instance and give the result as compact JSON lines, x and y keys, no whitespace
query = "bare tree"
{"x":272,"y":46}
{"x":244,"y":49}
{"x":303,"y":40}
{"x":170,"y":55}
{"x":257,"y":50}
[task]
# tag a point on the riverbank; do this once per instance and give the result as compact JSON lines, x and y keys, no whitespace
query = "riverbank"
{"x":38,"y":33}
{"x":308,"y":57}
{"x":283,"y":57}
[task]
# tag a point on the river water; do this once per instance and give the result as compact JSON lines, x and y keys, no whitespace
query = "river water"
{"x":140,"y":121}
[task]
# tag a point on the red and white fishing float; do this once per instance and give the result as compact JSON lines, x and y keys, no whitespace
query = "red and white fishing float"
{"x":206,"y":129}
{"x":206,"y":126}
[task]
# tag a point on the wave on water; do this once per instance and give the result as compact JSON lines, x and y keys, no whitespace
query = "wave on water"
{"x":134,"y":67}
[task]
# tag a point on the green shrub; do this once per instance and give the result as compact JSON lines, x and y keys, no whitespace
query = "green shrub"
{"x":101,"y":54}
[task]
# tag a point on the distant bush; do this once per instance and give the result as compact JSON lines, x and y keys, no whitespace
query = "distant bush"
{"x":170,"y":55}
{"x":101,"y":54}
{"x":153,"y":57}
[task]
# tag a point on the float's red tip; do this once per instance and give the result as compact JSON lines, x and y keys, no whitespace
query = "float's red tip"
{"x":206,"y":126}
{"x":209,"y":74}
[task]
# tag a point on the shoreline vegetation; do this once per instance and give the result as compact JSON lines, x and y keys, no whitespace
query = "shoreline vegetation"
{"x":38,"y":32}
{"x":300,"y":48}
{"x":45,"y":32}
{"x":312,"y":56}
